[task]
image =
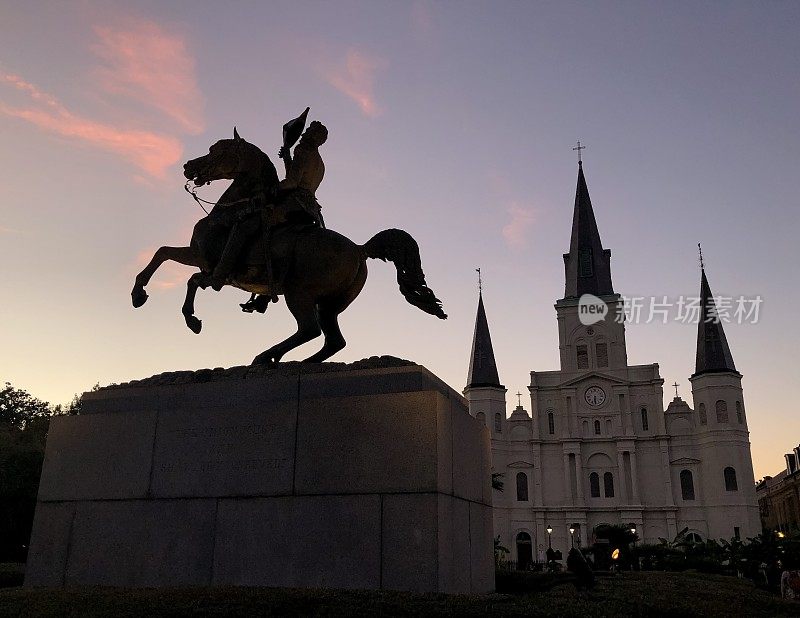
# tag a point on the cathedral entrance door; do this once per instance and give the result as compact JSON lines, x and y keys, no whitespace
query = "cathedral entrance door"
{"x":524,"y":551}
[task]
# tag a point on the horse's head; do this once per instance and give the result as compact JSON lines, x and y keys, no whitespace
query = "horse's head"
{"x":230,"y":159}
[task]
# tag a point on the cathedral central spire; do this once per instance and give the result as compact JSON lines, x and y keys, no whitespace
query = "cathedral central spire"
{"x":587,"y":265}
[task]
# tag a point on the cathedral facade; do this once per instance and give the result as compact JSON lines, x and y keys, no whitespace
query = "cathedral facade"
{"x":598,"y":447}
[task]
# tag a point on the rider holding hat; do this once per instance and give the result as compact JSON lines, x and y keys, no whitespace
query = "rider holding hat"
{"x":296,"y":201}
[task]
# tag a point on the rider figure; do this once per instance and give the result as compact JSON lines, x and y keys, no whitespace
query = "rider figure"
{"x":304,"y":174}
{"x":296,"y":202}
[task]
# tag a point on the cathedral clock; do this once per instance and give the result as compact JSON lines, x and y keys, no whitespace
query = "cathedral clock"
{"x":595,"y":396}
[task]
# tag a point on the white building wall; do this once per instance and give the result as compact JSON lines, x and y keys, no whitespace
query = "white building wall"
{"x":646,"y":462}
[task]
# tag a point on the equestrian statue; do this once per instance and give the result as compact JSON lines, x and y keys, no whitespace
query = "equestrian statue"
{"x":268,"y":237}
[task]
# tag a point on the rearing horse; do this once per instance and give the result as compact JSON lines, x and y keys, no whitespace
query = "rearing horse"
{"x":318,"y":271}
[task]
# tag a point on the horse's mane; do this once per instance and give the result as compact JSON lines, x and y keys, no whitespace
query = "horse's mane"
{"x":270,"y":174}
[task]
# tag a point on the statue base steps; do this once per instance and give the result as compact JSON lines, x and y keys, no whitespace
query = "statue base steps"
{"x":370,"y":475}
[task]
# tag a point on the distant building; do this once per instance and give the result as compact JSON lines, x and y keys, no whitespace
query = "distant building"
{"x":779,"y":497}
{"x":599,"y":447}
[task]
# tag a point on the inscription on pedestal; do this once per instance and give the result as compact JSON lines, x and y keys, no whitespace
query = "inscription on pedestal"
{"x":248,"y":455}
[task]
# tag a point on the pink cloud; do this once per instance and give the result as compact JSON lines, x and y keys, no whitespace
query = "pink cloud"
{"x":151,"y":152}
{"x":355,"y":78}
{"x":515,"y":231}
{"x":148,"y":64}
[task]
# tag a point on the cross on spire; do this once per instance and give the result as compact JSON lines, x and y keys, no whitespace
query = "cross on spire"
{"x":676,"y":385}
{"x":480,"y":283}
{"x":519,"y":399}
{"x":579,"y":148}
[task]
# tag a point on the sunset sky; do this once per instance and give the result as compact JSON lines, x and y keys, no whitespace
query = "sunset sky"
{"x":452,"y":120}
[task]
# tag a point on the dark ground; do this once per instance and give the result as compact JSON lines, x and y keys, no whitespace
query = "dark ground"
{"x":630,"y":594}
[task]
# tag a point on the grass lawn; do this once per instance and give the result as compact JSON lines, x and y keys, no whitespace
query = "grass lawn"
{"x":630,"y":594}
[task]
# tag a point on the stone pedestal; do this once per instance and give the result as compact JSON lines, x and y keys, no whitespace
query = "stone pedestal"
{"x":369,"y":475}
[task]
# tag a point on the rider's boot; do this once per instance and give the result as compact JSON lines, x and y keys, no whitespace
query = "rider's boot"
{"x":257,"y":302}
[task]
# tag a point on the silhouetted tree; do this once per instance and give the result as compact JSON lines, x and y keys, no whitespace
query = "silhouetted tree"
{"x":24,"y":421}
{"x":18,"y":407}
{"x":75,"y":406}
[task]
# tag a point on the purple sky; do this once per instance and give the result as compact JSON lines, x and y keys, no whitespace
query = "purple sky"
{"x":454,"y":121}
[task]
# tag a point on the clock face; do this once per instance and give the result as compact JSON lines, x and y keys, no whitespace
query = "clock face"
{"x":595,"y":396}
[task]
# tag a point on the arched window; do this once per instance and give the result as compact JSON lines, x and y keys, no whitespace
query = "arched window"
{"x":722,"y":411}
{"x":585,"y":265}
{"x":594,"y":484}
{"x":739,"y":413}
{"x":601,"y":350}
{"x":730,"y":479}
{"x":522,"y":487}
{"x":701,"y":411}
{"x":645,"y":423}
{"x":481,"y":417}
{"x":498,"y":422}
{"x":608,"y":484}
{"x":608,"y":426}
{"x":583,"y":356}
{"x":597,"y":428}
{"x":687,"y":485}
{"x":551,"y":423}
{"x":585,"y":428}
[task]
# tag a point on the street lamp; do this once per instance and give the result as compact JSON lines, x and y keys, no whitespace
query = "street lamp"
{"x":572,"y":535}
{"x":549,"y":536}
{"x":633,"y":532}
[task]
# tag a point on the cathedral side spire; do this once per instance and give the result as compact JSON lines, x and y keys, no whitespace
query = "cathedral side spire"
{"x":713,"y":353}
{"x":482,"y":366}
{"x":587,"y":265}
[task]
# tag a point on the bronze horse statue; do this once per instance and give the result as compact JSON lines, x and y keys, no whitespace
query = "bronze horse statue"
{"x":318,"y":271}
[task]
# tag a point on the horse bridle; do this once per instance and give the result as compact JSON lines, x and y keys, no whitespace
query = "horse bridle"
{"x":200,"y":201}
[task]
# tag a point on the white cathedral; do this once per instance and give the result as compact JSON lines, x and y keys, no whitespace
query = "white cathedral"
{"x":598,"y":447}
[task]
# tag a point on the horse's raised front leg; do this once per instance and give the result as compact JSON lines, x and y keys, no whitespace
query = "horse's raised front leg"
{"x":304,"y":310}
{"x":197,"y":280}
{"x":182,"y":255}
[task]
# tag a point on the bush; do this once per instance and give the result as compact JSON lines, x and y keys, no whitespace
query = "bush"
{"x":11,"y":574}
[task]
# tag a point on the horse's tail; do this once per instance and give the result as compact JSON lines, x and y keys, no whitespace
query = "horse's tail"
{"x":400,"y":248}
